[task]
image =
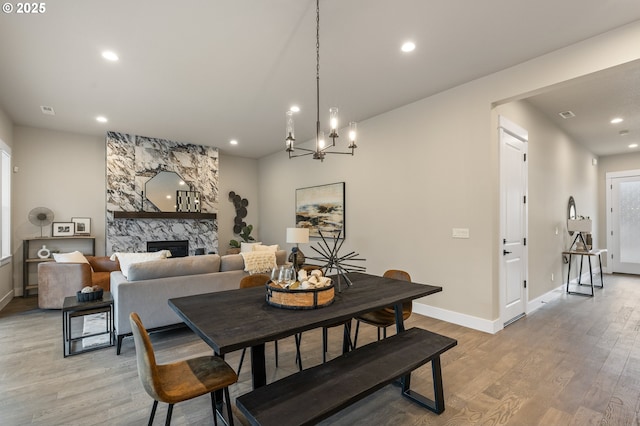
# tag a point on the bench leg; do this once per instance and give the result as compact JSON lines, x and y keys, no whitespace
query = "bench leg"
{"x":437,"y":404}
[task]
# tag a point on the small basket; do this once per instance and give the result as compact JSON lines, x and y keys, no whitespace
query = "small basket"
{"x":312,"y":298}
{"x":90,"y":297}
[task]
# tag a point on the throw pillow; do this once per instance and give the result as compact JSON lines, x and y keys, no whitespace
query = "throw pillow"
{"x":247,"y":247}
{"x":260,"y":247}
{"x":257,"y":262}
{"x":73,"y":257}
{"x":128,"y":259}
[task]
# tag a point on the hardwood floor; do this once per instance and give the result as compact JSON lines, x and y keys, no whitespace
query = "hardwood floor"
{"x":575,"y":361}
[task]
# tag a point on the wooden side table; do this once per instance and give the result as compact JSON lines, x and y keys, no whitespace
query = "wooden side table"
{"x":71,"y":308}
{"x":582,"y":254}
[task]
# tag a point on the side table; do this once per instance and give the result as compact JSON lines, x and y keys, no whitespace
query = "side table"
{"x":589,"y":254}
{"x":71,"y":308}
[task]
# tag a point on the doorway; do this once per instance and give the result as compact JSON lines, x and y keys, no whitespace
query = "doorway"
{"x":513,"y":220}
{"x":623,"y":221}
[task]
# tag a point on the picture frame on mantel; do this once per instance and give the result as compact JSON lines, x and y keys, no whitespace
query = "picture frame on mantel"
{"x":62,"y":229}
{"x":82,"y":225}
{"x":321,"y":208}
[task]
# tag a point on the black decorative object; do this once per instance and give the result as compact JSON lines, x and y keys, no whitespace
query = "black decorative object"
{"x":241,"y":211}
{"x":333,"y":260}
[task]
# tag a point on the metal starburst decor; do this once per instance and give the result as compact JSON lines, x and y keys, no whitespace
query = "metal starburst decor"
{"x":329,"y":254}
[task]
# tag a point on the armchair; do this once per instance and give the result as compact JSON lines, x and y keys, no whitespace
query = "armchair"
{"x":59,"y":280}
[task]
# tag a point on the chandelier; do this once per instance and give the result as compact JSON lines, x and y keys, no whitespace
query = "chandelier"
{"x":321,"y":148}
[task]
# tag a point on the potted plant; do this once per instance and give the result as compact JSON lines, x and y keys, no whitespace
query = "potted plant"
{"x":245,"y":236}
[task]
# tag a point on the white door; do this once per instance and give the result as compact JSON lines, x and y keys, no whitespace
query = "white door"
{"x":513,"y":221}
{"x":624,"y":223}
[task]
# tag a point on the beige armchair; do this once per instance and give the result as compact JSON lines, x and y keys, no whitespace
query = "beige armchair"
{"x":59,"y":280}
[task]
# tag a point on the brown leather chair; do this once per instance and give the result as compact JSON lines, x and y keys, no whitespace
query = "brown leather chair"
{"x":181,"y":380}
{"x":259,"y":280}
{"x":59,"y":280}
{"x":385,"y":317}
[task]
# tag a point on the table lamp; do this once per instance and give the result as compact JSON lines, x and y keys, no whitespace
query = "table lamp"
{"x":297,"y":236}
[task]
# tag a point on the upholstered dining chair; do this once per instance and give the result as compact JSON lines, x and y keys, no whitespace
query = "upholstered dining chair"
{"x":385,"y":317}
{"x":258,"y":280}
{"x":181,"y":380}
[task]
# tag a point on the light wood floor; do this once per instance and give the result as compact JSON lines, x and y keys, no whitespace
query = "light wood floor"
{"x":575,"y":361}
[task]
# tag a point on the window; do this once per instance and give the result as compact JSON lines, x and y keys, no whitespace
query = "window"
{"x":5,"y":200}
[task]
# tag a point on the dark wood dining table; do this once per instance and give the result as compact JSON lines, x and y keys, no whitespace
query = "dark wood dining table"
{"x":235,"y":319}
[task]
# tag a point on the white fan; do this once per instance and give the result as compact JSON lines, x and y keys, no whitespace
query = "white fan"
{"x":41,"y":216}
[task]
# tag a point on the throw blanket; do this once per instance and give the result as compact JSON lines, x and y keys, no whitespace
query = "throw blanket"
{"x":256,"y":262}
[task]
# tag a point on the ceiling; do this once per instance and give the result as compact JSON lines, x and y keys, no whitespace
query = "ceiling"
{"x":208,"y":71}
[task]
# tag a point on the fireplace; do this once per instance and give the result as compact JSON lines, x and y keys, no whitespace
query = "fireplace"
{"x":177,"y":248}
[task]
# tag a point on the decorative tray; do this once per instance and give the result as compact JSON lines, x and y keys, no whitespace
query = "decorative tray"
{"x":312,"y":298}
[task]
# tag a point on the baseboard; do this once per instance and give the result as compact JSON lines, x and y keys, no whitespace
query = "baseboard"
{"x":537,"y":303}
{"x":6,"y":299}
{"x":480,"y":324}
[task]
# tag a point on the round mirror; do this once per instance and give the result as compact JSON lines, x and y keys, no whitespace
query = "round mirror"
{"x":571,"y":212}
{"x":161,"y":190}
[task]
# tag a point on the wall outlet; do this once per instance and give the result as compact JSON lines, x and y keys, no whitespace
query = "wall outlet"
{"x":460,"y":233}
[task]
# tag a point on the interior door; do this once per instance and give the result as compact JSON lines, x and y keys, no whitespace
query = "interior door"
{"x":625,"y":224}
{"x":513,"y":217}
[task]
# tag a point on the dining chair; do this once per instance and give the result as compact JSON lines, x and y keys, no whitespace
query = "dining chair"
{"x":258,"y":280}
{"x":182,"y":380}
{"x":385,"y":317}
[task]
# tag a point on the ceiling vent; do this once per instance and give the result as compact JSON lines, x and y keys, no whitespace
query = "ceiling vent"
{"x":47,"y":110}
{"x":566,"y":114}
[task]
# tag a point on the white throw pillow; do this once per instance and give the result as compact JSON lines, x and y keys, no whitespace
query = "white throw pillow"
{"x":247,"y":247}
{"x":128,"y":259}
{"x":73,"y":257}
{"x":260,"y":247}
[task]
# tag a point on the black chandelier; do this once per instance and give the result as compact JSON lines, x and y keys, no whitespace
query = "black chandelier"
{"x":321,"y":148}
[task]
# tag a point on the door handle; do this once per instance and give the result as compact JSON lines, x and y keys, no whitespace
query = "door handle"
{"x":504,"y":252}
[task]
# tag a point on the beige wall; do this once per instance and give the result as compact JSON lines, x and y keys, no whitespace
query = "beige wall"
{"x":6,"y":271}
{"x":428,"y":167}
{"x":241,"y":176}
{"x":62,"y":171}
{"x":558,"y":168}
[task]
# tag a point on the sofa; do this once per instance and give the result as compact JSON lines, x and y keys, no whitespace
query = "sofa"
{"x":148,"y":286}
{"x":59,"y":280}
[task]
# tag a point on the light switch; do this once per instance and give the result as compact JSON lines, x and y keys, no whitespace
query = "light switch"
{"x":460,"y":233}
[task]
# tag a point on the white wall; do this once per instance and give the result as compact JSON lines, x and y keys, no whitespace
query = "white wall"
{"x":6,"y":271}
{"x":428,"y":167}
{"x":62,"y":171}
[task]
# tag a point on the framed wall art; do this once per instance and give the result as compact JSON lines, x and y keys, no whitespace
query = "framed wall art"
{"x":82,"y":225}
{"x":321,"y":208}
{"x":63,"y":229}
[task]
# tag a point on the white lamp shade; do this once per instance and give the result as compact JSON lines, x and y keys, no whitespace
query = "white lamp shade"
{"x":579,"y":225}
{"x":297,"y":235}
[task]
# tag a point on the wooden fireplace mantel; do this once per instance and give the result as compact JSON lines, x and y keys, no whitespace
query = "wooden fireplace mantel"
{"x":163,"y":215}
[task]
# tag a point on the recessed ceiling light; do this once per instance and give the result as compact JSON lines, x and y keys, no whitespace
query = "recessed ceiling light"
{"x":408,"y":46}
{"x":633,"y":145}
{"x":110,"y":56}
{"x":47,"y":110}
{"x":566,"y":114}
{"x":294,"y":108}
{"x":101,"y":119}
{"x":617,"y":120}
{"x":233,"y":142}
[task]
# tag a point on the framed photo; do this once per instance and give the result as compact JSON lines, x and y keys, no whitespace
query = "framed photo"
{"x":321,"y":208}
{"x":82,"y":225}
{"x":63,"y":229}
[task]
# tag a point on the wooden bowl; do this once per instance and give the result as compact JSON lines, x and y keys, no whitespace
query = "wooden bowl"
{"x":312,"y":298}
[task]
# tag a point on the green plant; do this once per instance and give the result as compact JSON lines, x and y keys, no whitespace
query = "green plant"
{"x":245,"y":235}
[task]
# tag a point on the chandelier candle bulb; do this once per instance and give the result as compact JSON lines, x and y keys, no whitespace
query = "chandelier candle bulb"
{"x":290,"y":131}
{"x":333,"y":122}
{"x":353,"y":130}
{"x":321,"y":140}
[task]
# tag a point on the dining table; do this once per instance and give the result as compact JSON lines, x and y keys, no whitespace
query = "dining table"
{"x":235,"y":319}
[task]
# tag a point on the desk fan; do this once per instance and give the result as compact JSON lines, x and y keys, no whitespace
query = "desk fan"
{"x":41,"y":216}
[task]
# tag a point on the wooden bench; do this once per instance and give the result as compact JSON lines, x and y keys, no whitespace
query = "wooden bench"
{"x":319,"y":392}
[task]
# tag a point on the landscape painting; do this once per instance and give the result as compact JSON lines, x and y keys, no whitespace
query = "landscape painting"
{"x":321,"y":208}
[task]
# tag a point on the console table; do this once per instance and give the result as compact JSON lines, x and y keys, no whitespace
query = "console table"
{"x":582,"y":254}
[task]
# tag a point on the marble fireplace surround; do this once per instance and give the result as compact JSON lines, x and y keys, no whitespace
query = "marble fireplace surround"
{"x":131,"y":161}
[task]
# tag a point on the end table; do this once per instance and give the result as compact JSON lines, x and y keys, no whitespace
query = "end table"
{"x":71,"y":308}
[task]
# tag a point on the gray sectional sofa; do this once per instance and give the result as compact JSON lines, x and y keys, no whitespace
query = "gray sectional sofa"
{"x":149,"y":285}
